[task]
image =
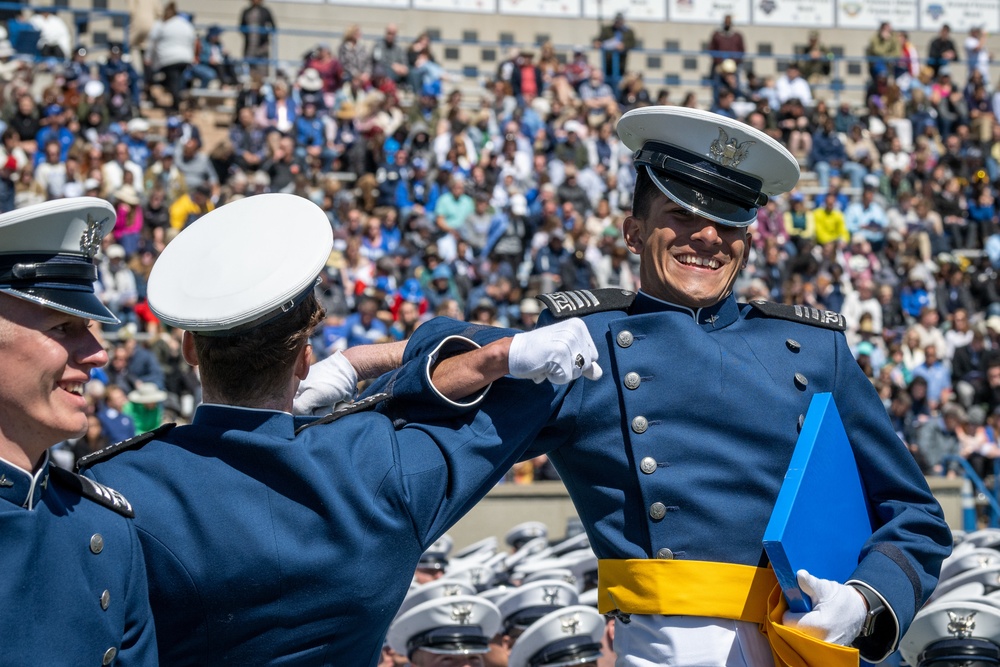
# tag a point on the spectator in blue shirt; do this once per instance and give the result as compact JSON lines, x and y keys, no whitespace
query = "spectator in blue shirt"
{"x":55,"y":131}
{"x":938,"y":376}
{"x":868,"y":219}
{"x":828,"y":156}
{"x":363,"y":327}
{"x":310,"y":134}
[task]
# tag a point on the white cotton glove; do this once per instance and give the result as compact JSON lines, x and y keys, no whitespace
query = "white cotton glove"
{"x":329,"y":382}
{"x":558,"y":353}
{"x":838,"y":611}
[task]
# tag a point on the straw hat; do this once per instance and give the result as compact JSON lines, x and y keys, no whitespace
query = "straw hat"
{"x":310,"y":80}
{"x":147,"y":394}
{"x":127,"y":194}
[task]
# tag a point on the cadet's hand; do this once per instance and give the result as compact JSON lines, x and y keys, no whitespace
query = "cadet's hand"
{"x":838,"y":611}
{"x":559,"y":353}
{"x":329,"y":382}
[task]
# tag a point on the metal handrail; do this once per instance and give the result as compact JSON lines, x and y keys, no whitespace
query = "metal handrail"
{"x":979,"y":485}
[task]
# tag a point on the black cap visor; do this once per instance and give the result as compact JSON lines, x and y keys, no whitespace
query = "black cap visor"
{"x":712,"y":190}
{"x":81,"y":303}
{"x":61,"y":282}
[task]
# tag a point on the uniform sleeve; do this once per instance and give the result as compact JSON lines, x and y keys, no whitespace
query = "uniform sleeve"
{"x":139,"y":639}
{"x":447,"y":466}
{"x":902,"y":560}
{"x":413,"y":395}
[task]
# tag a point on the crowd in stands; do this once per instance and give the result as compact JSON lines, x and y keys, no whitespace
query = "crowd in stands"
{"x":444,"y":205}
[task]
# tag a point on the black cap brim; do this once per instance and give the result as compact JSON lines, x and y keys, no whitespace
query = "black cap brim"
{"x":702,"y":201}
{"x":80,"y":303}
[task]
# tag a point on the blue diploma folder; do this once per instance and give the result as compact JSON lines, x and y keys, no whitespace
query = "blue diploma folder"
{"x":820,"y":521}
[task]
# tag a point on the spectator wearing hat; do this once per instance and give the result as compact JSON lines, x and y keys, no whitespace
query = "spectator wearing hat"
{"x":145,"y":407}
{"x":441,"y":288}
{"x":119,"y":292}
{"x":135,"y":139}
{"x":172,"y":46}
{"x":128,"y":220}
{"x":9,"y":67}
{"x":214,"y":62}
{"x":115,"y":63}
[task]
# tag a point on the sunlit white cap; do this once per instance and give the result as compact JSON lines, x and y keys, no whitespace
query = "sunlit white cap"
{"x":241,"y":265}
{"x":568,"y":636}
{"x":715,"y":166}
{"x":456,"y":625}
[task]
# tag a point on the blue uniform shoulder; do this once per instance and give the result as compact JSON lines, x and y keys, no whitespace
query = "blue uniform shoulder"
{"x":88,"y":488}
{"x":135,"y":442}
{"x":576,"y":303}
{"x":826,"y":319}
{"x":367,"y":403}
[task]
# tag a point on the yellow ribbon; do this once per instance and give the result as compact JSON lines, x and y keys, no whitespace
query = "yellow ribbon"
{"x":719,"y":590}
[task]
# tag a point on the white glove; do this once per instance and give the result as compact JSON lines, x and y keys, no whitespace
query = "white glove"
{"x":559,"y":353}
{"x":838,"y":611}
{"x":329,"y":382}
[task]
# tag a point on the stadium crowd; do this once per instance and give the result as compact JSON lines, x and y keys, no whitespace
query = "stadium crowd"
{"x":470,"y":207}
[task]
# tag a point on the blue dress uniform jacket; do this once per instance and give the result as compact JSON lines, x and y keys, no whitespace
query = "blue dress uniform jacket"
{"x":268,"y":545}
{"x":74,"y":581}
{"x":709,"y":406}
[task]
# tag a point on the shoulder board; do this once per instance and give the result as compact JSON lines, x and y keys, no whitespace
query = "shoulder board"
{"x":134,"y":442}
{"x":575,"y":303}
{"x":358,"y":406}
{"x":88,"y":488}
{"x":826,"y":319}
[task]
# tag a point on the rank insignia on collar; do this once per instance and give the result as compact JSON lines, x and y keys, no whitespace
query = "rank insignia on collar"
{"x":4,"y":482}
{"x":729,"y":152}
{"x":90,"y":240}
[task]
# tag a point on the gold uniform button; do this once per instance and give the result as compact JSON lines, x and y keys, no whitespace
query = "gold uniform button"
{"x":632,"y":380}
{"x":648,"y":465}
{"x":665,"y":554}
{"x":96,"y":543}
{"x":625,"y":339}
{"x":657,"y":511}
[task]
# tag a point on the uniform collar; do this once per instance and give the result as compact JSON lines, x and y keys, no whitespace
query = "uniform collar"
{"x":22,"y":488}
{"x":268,"y":422}
{"x":717,"y":316}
